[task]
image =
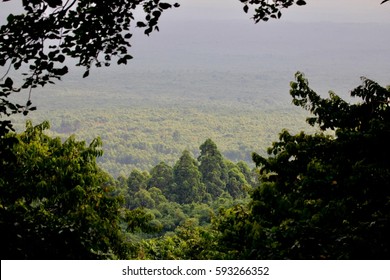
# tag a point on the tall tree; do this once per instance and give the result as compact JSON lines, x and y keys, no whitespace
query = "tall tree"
{"x":236,"y":185}
{"x":161,"y":176}
{"x":189,"y":186}
{"x":136,"y":181}
{"x":213,"y":168}
{"x":143,"y":199}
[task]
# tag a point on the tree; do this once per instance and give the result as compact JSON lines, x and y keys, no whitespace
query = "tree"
{"x":250,"y":175}
{"x":213,"y":168}
{"x":157,"y":195}
{"x":161,"y":176}
{"x":136,"y":182}
{"x":235,"y":232}
{"x":237,"y":186}
{"x":189,"y":187}
{"x":327,"y":195}
{"x":190,"y":242}
{"x":56,"y":203}
{"x":143,"y":199}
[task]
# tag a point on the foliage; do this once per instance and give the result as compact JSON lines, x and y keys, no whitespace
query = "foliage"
{"x":161,"y":177}
{"x":189,"y":242}
{"x":324,"y":196}
{"x":266,"y":9}
{"x":39,"y":41}
{"x":137,"y":181}
{"x":140,"y":137}
{"x":173,"y":196}
{"x":320,"y":196}
{"x":188,"y":180}
{"x":56,"y":203}
{"x":235,"y":229}
{"x":213,"y":168}
{"x":237,"y":185}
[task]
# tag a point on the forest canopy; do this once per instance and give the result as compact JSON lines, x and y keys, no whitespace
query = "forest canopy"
{"x":317,"y":196}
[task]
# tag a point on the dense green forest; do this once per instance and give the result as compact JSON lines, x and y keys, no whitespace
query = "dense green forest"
{"x":185,"y":177}
{"x":322,"y":195}
{"x":141,"y":135}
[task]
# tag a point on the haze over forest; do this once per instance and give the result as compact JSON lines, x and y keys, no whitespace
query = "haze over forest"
{"x":211,"y":62}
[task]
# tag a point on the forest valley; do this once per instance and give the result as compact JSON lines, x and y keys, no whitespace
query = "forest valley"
{"x":323,"y":195}
{"x":318,"y":194}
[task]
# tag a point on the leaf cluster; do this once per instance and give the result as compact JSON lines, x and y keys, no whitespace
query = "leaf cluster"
{"x":55,"y":202}
{"x":39,"y":41}
{"x":266,"y":9}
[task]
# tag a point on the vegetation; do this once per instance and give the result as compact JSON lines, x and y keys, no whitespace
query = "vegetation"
{"x":317,"y":196}
{"x":320,"y":196}
{"x":324,"y":195}
{"x":56,"y":202}
{"x":141,"y":136}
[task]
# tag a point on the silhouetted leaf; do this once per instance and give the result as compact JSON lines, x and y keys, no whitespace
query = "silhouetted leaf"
{"x":141,"y":24}
{"x":165,"y":6}
{"x":8,"y":82}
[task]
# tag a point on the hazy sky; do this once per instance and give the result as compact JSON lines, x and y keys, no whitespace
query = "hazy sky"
{"x":315,"y":10}
{"x":361,"y":51}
